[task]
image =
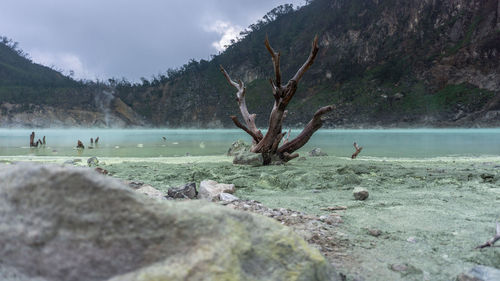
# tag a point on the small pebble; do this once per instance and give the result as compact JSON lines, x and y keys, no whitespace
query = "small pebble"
{"x":399,"y":267}
{"x":360,"y":193}
{"x":374,"y":232}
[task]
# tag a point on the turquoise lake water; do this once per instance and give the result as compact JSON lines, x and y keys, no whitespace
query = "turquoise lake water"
{"x":411,"y":143}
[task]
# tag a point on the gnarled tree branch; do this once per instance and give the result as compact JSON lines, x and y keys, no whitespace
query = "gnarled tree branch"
{"x":307,"y":132}
{"x":287,"y":136}
{"x":276,"y":62}
{"x":283,"y":95}
{"x":309,"y":61}
{"x":247,"y":117}
{"x":241,"y":126}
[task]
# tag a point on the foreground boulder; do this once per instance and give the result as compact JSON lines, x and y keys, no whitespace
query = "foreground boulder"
{"x":66,"y":223}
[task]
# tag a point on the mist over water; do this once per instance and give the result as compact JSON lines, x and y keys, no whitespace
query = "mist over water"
{"x":103,"y":101}
{"x":411,"y":143}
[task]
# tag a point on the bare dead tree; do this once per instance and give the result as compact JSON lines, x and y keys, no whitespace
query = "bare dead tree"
{"x":493,"y":240}
{"x":358,"y":150}
{"x":268,"y":145}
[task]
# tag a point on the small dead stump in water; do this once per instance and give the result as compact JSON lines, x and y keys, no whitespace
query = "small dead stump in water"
{"x":80,"y":145}
{"x":493,"y":240}
{"x":358,"y":150}
{"x":32,"y":140}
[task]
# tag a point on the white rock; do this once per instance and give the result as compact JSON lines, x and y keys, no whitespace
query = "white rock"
{"x":211,"y":190}
{"x":226,"y":197}
{"x":151,"y":192}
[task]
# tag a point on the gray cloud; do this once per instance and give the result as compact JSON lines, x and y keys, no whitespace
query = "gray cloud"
{"x":114,"y":38}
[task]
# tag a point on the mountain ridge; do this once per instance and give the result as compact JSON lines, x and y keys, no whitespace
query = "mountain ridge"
{"x":382,"y":63}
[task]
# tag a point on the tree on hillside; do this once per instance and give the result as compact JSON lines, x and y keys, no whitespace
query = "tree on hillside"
{"x":269,"y":145}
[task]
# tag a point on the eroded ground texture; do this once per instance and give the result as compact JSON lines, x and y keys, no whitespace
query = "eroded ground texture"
{"x":422,"y":219}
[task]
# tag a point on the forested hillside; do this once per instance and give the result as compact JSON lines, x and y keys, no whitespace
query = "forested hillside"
{"x":32,"y":95}
{"x":381,"y":63}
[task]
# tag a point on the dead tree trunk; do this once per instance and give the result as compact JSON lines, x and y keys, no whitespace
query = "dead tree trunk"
{"x":32,"y":139}
{"x":269,"y":145}
{"x":80,"y":145}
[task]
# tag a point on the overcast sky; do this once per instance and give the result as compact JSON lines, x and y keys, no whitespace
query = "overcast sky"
{"x":132,"y":39}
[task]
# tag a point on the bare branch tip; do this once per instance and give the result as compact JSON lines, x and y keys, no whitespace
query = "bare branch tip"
{"x":315,"y":43}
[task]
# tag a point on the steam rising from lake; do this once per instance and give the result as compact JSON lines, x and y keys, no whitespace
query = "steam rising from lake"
{"x":103,"y":101}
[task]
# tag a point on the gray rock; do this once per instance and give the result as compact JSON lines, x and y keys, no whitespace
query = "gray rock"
{"x":211,"y":190}
{"x":92,"y":161}
{"x":150,"y":191}
{"x":480,"y":273}
{"x":399,"y":267}
{"x":187,"y":191}
{"x":374,"y":232}
{"x":69,"y":162}
{"x":488,"y":178}
{"x":67,"y":223}
{"x":248,"y":158}
{"x":360,"y":193}
{"x":316,"y":152}
{"x":405,"y":269}
{"x":238,"y":147}
{"x":72,"y":161}
{"x":226,"y":197}
{"x":134,"y":185}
